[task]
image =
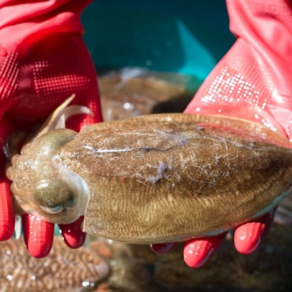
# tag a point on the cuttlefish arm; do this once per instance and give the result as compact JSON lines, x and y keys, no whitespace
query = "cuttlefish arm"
{"x":153,"y":179}
{"x":57,"y":119}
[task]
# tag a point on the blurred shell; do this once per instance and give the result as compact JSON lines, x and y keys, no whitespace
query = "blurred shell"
{"x":131,"y":92}
{"x":100,"y":267}
{"x":64,"y":270}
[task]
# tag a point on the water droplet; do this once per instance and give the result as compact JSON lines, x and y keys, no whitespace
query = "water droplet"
{"x":85,"y":284}
{"x":9,"y":277}
{"x":128,"y":106}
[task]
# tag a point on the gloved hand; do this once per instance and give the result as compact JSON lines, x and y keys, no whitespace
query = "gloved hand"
{"x":43,"y":61}
{"x":252,"y":81}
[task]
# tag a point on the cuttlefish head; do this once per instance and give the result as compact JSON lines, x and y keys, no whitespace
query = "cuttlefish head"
{"x":38,"y":185}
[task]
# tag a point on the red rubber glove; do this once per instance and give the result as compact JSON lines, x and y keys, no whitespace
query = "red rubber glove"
{"x":252,"y":81}
{"x":43,"y":61}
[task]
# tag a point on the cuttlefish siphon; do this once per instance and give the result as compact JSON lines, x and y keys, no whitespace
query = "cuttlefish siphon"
{"x":150,"y":179}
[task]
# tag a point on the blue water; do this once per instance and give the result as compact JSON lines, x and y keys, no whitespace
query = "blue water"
{"x":182,"y":36}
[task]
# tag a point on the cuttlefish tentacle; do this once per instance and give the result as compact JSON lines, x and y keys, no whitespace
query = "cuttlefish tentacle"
{"x":52,"y":122}
{"x":58,"y":118}
{"x":71,"y":111}
{"x":11,"y":148}
{"x":152,"y":179}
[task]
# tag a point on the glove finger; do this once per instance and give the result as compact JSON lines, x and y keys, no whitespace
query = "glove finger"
{"x":7,"y":217}
{"x":162,"y":248}
{"x":72,"y":233}
{"x":249,"y":236}
{"x":198,"y":251}
{"x":38,"y":235}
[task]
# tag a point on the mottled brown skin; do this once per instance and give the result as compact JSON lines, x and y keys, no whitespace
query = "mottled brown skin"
{"x":163,"y":178}
{"x":155,"y":178}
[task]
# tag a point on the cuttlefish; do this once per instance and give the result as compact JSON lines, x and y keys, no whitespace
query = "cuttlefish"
{"x":150,"y":179}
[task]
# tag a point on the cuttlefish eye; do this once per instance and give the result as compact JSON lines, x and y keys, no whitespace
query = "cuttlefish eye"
{"x":54,"y":196}
{"x":53,"y":210}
